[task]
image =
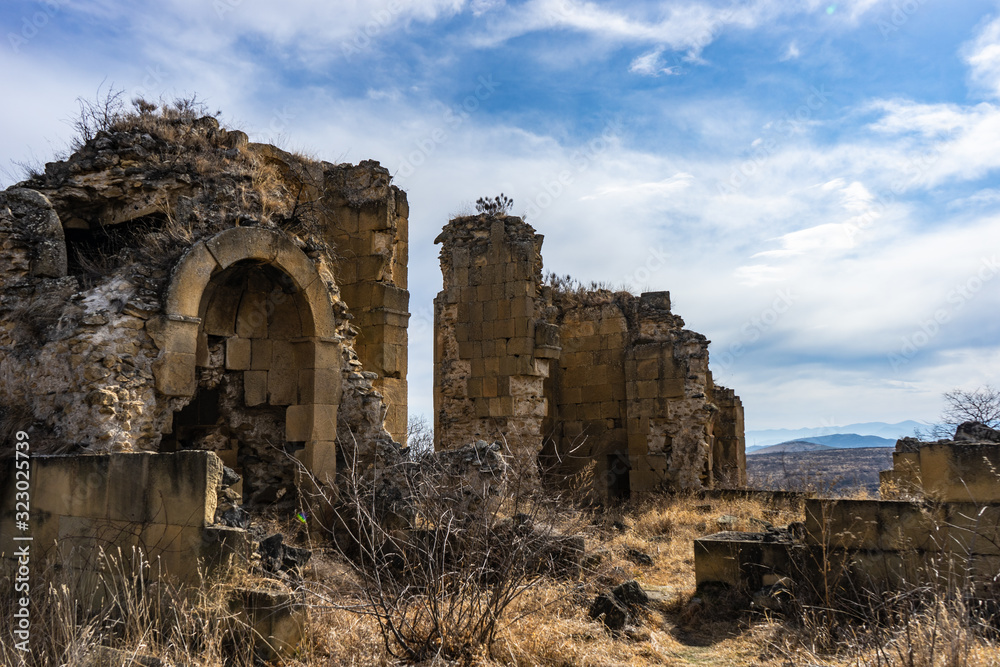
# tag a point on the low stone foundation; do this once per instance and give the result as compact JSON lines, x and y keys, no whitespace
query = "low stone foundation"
{"x":160,"y":507}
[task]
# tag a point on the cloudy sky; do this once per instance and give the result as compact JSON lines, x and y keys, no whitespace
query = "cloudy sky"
{"x":816,"y":183}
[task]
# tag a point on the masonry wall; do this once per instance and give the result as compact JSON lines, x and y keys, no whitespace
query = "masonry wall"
{"x":365,"y":219}
{"x":162,"y":505}
{"x":601,"y":380}
{"x":491,"y":352}
{"x":171,"y":286}
{"x":372,"y":240}
{"x":588,"y":394}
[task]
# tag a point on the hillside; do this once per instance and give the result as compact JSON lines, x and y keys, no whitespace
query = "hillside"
{"x":826,"y":470}
{"x":851,"y":440}
{"x":788,"y":447}
{"x":834,"y":441}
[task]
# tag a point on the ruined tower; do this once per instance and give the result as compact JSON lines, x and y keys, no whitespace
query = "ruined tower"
{"x":492,"y":347}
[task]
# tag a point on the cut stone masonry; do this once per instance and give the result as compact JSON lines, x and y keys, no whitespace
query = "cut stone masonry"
{"x":580,"y":379}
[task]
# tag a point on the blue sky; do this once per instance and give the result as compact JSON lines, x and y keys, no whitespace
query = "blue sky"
{"x":816,"y":183}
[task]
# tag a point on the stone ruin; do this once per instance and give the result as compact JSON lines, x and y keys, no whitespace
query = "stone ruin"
{"x":190,"y":321}
{"x":577,"y":378}
{"x":937,"y":524}
{"x":175,"y":287}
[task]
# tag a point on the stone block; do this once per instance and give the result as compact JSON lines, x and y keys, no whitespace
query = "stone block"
{"x":251,"y":318}
{"x":254,"y":388}
{"x":373,"y":218}
{"x":220,"y":317}
{"x":285,"y":321}
{"x":961,"y":472}
{"x":973,"y":529}
{"x":261,"y":354}
{"x":241,"y":243}
{"x":739,"y":560}
{"x":521,"y":346}
{"x":320,"y":385}
{"x":237,"y":354}
{"x":201,"y":355}
{"x":282,"y":386}
{"x":311,"y":422}
{"x":175,"y":374}
{"x":282,"y":355}
{"x":317,"y":353}
{"x":193,"y":273}
{"x":70,"y":485}
{"x":647,"y":389}
{"x":320,"y":459}
{"x":180,"y":488}
{"x":672,"y":388}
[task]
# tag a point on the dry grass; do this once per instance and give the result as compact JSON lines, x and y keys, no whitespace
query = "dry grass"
{"x":549,"y":624}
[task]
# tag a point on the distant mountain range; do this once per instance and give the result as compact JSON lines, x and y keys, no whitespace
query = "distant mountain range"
{"x":835,"y":441}
{"x":775,"y":436}
{"x":788,"y":447}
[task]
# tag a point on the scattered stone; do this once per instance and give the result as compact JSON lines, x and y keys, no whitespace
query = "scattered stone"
{"x":235,"y":517}
{"x":620,"y":605}
{"x":277,"y":557}
{"x":610,"y":611}
{"x":631,"y":594}
{"x":638,"y":556}
{"x":976,"y":432}
{"x":229,"y":476}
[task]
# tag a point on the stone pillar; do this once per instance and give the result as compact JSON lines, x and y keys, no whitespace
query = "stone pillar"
{"x":491,"y":348}
{"x":368,"y":225}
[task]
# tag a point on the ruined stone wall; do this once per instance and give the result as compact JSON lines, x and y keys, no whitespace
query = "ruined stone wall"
{"x":491,"y":352}
{"x":729,"y":461}
{"x":588,"y":395}
{"x":626,"y":390}
{"x":170,"y":279}
{"x":365,"y":219}
{"x":163,"y":505}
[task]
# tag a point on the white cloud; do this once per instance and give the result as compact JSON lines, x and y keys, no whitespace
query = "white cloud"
{"x":651,"y":64}
{"x":982,"y":55}
{"x":631,"y":189}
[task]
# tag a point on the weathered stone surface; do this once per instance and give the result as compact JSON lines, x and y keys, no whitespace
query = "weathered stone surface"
{"x":150,"y":269}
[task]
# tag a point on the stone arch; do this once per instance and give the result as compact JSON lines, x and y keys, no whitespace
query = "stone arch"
{"x":197,"y":294}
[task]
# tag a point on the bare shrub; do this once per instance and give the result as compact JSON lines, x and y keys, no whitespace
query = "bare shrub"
{"x":441,"y":555}
{"x":419,"y":436}
{"x":495,"y":207}
{"x":981,"y":404}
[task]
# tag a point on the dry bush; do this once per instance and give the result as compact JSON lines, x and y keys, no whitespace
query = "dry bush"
{"x":442,"y":557}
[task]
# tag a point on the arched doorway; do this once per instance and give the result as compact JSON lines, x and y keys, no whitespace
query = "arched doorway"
{"x":249,"y":329}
